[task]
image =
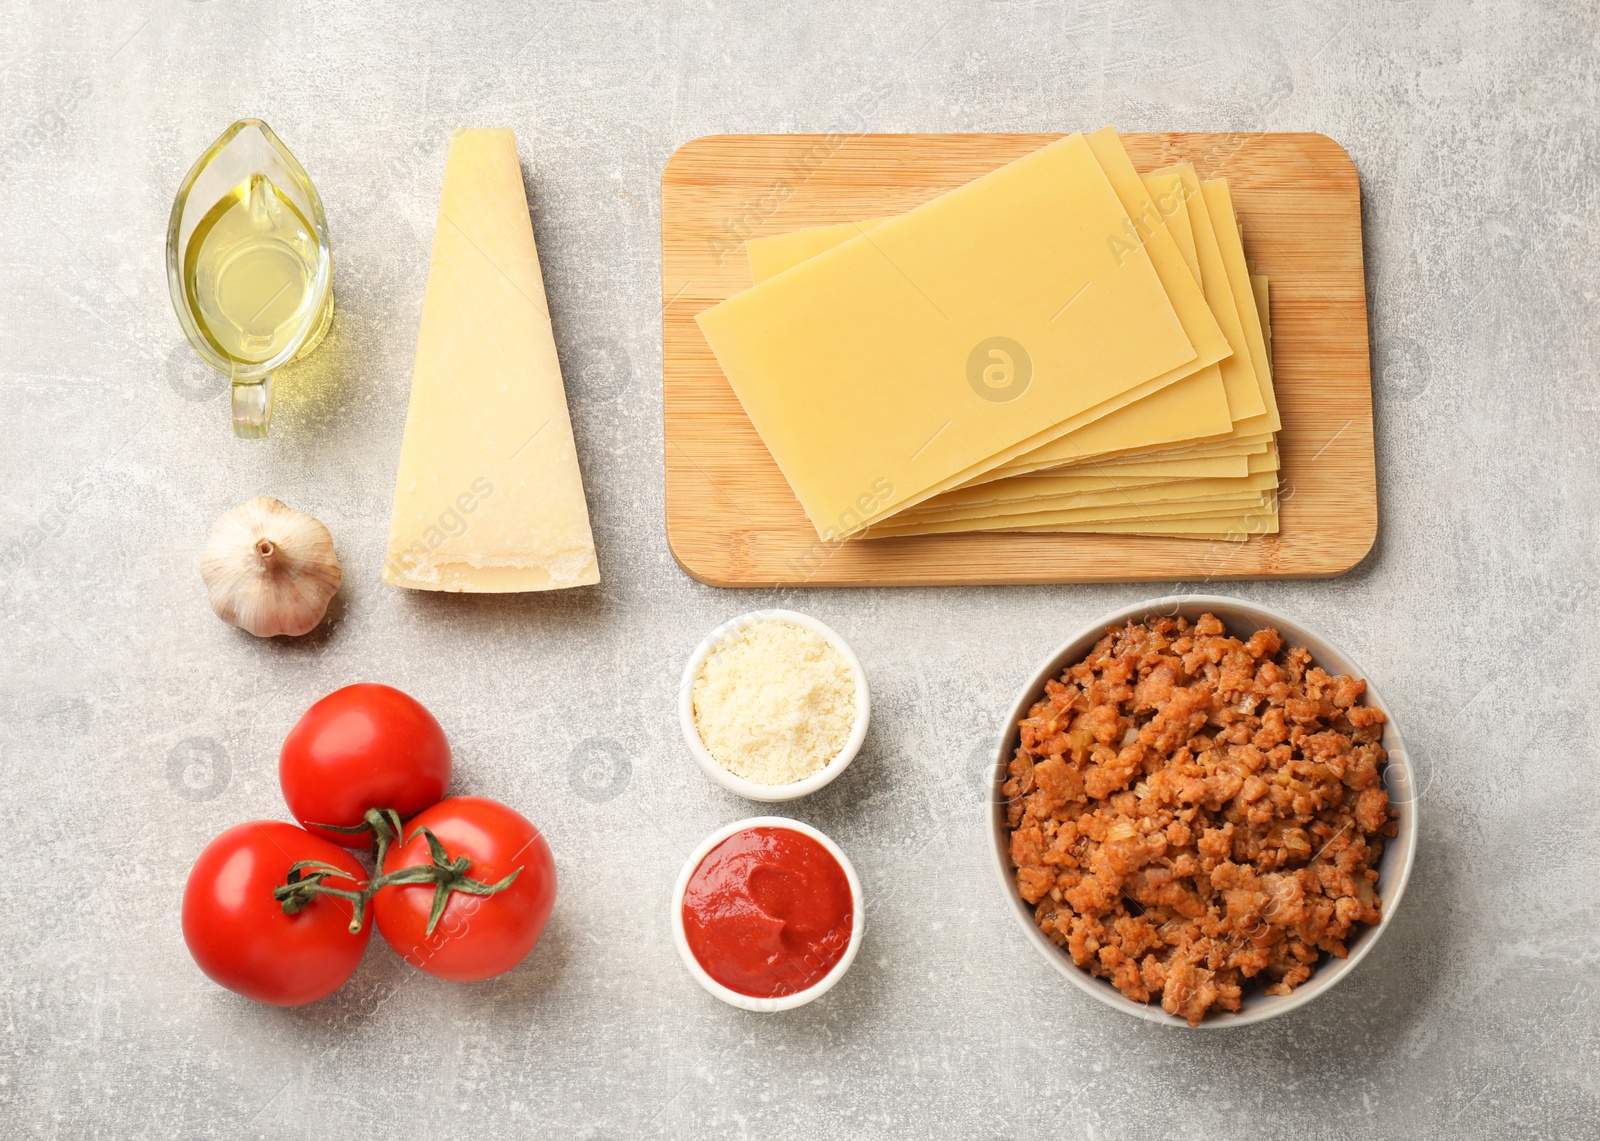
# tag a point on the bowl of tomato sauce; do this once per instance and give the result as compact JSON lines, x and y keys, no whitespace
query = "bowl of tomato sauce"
{"x":767,"y":914}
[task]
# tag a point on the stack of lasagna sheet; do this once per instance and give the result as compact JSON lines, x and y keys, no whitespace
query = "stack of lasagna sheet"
{"x":1061,"y":345}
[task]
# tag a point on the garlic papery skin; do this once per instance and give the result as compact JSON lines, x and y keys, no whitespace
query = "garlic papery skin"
{"x":270,"y":569}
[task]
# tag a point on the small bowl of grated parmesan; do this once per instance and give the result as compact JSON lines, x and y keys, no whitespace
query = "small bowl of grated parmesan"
{"x":774,"y":705}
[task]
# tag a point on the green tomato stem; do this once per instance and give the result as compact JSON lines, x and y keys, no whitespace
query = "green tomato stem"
{"x":306,"y":877}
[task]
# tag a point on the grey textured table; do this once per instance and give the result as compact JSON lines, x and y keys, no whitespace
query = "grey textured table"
{"x":134,"y":726}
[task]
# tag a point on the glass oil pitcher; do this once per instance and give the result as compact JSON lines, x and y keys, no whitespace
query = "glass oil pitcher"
{"x":249,"y":266}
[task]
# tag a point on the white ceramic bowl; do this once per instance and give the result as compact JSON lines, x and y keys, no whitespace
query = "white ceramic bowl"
{"x":748,"y":788}
{"x":745,"y":1001}
{"x":1241,"y":619}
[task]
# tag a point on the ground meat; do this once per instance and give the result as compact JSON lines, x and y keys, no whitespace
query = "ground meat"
{"x":1190,"y":812}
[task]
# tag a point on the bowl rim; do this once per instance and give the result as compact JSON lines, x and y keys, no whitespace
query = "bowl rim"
{"x":1398,"y":778}
{"x":751,"y":1002}
{"x":749,"y":789}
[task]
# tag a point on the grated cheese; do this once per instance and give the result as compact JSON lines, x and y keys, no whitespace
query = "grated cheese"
{"x":774,"y":702}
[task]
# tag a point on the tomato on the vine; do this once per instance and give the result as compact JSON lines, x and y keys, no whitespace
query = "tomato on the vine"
{"x":241,"y":936}
{"x":363,"y":746}
{"x":478,"y":935}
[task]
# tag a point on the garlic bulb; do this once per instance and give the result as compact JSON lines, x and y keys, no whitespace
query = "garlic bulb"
{"x":269,"y":569}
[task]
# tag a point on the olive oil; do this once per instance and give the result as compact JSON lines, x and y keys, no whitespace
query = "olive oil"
{"x":249,"y":272}
{"x":249,"y":265}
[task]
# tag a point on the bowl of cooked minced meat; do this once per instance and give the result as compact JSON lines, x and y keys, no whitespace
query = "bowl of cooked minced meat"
{"x":1203,"y":813}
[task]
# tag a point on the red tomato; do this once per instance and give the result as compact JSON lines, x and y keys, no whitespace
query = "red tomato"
{"x":363,"y":746}
{"x":478,"y":936}
{"x":238,"y":933}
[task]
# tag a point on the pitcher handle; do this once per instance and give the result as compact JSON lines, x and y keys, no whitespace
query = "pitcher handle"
{"x":252,"y":407}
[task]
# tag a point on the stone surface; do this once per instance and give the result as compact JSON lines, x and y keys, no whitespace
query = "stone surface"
{"x":134,"y":726}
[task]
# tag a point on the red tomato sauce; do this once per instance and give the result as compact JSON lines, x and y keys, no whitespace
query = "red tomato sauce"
{"x":768,"y":912}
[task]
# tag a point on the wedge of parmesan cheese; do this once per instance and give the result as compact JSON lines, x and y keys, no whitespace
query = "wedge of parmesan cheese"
{"x":488,"y":497}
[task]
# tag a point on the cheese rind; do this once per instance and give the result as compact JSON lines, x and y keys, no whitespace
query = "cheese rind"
{"x":488,"y":497}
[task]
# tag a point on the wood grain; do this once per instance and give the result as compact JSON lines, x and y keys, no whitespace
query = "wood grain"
{"x":731,"y":517}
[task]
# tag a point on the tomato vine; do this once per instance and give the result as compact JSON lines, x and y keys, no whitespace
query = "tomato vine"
{"x":306,"y":878}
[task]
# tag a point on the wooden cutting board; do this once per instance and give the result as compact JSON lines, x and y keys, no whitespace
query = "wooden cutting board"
{"x":731,"y":518}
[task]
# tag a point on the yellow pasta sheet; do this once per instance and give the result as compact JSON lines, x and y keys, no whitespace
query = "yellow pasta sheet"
{"x":1246,"y":391}
{"x":1230,"y":529}
{"x":1149,"y":514}
{"x":1172,"y":199}
{"x":1219,"y":207}
{"x":1175,"y":195}
{"x":1238,"y":373}
{"x":772,"y":255}
{"x":1257,"y":455}
{"x":1219,"y":256}
{"x":1048,"y":491}
{"x":1228,"y":526}
{"x":1260,"y":287}
{"x":1170,"y":195}
{"x":1115,"y":504}
{"x":1178,"y":463}
{"x":1194,"y":406}
{"x":1178,"y":187}
{"x":1160,"y":420}
{"x":1055,"y":491}
{"x":948,"y":340}
{"x":1198,"y":410}
{"x":1044,"y":492}
{"x":1114,"y":497}
{"x":1262,"y":508}
{"x":1249,"y":445}
{"x":1176,"y":467}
